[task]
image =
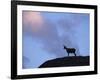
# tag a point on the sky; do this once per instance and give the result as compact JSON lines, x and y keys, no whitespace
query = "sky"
{"x":45,"y":34}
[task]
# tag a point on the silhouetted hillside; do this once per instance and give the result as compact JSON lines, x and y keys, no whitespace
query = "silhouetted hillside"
{"x":67,"y":61}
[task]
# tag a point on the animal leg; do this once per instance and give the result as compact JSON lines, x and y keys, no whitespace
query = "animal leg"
{"x":74,"y":54}
{"x":68,"y":54}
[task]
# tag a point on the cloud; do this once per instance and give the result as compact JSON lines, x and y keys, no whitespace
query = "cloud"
{"x":32,"y":20}
{"x":54,"y":33}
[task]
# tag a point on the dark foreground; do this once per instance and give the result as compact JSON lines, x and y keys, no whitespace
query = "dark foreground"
{"x":67,"y":61}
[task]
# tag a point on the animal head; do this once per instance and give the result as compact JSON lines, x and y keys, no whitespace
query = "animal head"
{"x":65,"y":47}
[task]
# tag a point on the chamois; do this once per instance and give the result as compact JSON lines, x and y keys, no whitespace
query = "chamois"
{"x":70,"y":50}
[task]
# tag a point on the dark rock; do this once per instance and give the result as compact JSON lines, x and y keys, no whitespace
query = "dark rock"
{"x":67,"y":61}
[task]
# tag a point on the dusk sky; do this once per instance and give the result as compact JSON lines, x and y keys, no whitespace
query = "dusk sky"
{"x":45,"y":33}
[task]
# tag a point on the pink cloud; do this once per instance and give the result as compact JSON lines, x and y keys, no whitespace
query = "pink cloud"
{"x":33,"y":20}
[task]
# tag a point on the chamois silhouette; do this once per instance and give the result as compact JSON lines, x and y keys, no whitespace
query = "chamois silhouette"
{"x":70,"y":50}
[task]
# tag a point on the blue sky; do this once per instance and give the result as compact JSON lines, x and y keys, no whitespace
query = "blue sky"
{"x":45,"y":33}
